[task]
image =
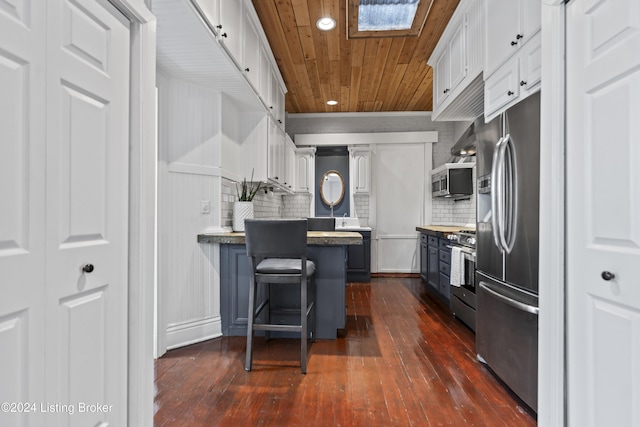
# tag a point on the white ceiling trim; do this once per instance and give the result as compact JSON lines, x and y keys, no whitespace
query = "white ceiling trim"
{"x":360,"y":114}
{"x":331,"y":139}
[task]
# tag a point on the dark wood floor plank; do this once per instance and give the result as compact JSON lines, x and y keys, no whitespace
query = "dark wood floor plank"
{"x":403,"y":360}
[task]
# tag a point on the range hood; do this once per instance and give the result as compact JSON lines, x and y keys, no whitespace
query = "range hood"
{"x":467,"y":143}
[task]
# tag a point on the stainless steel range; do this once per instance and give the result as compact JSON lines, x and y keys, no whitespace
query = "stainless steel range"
{"x":463,"y":295}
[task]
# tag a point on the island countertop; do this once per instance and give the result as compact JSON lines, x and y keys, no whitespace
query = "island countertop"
{"x":318,"y":238}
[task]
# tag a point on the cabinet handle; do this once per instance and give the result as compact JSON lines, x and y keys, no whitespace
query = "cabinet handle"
{"x":271,"y":107}
{"x":522,"y":83}
{"x":219,"y":27}
{"x":89,"y":268}
{"x":224,"y":35}
{"x":279,"y":121}
{"x":246,"y":69}
{"x":513,"y":43}
{"x":445,"y":91}
{"x":519,"y":36}
{"x":509,"y":93}
{"x":607,"y":275}
{"x":277,"y":179}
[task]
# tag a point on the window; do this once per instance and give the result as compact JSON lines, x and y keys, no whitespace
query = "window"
{"x":386,"y":18}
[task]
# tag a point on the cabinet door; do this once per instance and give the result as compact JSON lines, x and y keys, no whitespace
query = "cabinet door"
{"x":275,"y":142}
{"x":423,"y":261}
{"x":302,"y":182}
{"x":289,"y":163}
{"x":501,"y":29}
{"x":231,"y":18}
{"x":501,"y":88}
{"x":457,"y":56}
{"x":211,"y":11}
{"x":362,"y":175}
{"x":432,"y":267}
{"x":531,"y":14}
{"x":531,"y":69}
{"x":252,"y":52}
{"x":441,"y":88}
{"x":265,"y":77}
{"x":445,"y":287}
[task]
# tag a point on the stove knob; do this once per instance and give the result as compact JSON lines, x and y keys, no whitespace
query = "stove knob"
{"x":472,"y":240}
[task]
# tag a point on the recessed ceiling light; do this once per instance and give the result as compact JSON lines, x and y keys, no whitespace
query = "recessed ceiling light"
{"x":332,"y":102}
{"x":326,"y":24}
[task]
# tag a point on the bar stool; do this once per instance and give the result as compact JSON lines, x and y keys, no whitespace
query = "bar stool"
{"x":277,"y":251}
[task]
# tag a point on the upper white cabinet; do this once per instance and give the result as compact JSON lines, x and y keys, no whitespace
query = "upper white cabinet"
{"x":253,"y":54}
{"x":211,"y":11}
{"x":451,"y":66}
{"x":457,"y":62}
{"x":360,"y":167}
{"x":510,"y":24}
{"x":305,"y":167}
{"x":518,"y":73}
{"x":230,"y":28}
{"x":289,"y":164}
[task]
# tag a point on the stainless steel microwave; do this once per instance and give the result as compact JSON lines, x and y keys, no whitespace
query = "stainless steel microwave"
{"x":452,"y":180}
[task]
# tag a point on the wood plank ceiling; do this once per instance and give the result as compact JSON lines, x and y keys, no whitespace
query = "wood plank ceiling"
{"x":364,"y":74}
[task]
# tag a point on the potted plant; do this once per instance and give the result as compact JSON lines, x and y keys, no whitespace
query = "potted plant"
{"x":243,"y":207}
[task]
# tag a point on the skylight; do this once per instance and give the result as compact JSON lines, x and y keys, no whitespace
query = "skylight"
{"x":386,"y":15}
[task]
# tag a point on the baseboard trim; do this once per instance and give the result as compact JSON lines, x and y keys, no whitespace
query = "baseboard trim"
{"x":402,"y":275}
{"x":194,"y":331}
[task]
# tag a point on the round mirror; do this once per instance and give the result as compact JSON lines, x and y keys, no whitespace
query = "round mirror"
{"x":332,"y":188}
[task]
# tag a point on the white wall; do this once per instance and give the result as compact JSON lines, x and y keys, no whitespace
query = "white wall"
{"x":188,"y":173}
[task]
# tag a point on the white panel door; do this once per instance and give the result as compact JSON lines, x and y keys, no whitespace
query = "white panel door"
{"x":399,"y":175}
{"x":22,"y":181}
{"x":603,"y":212}
{"x":87,"y":210}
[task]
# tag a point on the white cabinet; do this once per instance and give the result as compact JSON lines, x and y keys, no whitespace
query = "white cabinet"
{"x":457,"y":62}
{"x":276,"y":100}
{"x":275,"y":144}
{"x":230,"y":28}
{"x":289,"y":164}
{"x":253,"y":53}
{"x":360,"y":167}
{"x":518,"y":78}
{"x":510,"y":24}
{"x":451,"y":66}
{"x":305,"y":167}
{"x":211,"y":11}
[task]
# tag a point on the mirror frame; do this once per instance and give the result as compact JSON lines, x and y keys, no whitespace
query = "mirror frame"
{"x":324,"y":199}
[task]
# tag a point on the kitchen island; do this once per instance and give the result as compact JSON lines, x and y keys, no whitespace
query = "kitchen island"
{"x":327,"y":249}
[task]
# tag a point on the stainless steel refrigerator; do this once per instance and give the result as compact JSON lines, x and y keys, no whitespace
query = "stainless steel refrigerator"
{"x":508,"y":171}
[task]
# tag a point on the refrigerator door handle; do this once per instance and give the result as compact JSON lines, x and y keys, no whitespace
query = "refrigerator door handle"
{"x":509,"y":182}
{"x":500,"y":194}
{"x":513,"y":303}
{"x":495,"y":185}
{"x":514,"y":197}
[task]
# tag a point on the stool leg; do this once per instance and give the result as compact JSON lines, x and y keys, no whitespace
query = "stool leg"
{"x":250,"y":321}
{"x":313,"y":311}
{"x":303,"y":320}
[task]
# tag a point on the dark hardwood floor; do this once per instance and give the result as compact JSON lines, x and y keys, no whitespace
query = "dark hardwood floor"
{"x":404,"y":361}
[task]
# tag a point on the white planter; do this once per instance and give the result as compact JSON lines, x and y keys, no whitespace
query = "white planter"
{"x":241,"y":211}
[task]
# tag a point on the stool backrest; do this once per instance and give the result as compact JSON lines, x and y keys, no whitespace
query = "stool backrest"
{"x":321,"y":224}
{"x":276,"y":238}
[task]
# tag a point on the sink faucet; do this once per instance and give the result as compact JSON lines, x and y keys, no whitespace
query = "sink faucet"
{"x":344,"y":221}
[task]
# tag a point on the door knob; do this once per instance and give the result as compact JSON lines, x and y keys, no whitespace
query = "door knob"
{"x":607,"y":275}
{"x":88,"y":268}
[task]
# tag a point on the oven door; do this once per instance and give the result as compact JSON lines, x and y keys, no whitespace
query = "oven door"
{"x":469,"y":269}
